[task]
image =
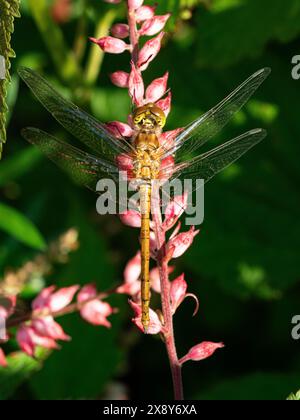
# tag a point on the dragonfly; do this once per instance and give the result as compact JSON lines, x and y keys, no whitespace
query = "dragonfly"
{"x":144,"y":149}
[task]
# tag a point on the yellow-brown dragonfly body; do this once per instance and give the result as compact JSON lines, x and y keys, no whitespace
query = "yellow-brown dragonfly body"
{"x":149,"y":121}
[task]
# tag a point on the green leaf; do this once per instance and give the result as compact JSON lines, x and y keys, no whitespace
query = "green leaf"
{"x":16,"y":224}
{"x":20,"y":368}
{"x":9,"y":10}
{"x":294,"y":397}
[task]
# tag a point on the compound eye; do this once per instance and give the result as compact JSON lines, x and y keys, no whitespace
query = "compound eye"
{"x":138,"y":118}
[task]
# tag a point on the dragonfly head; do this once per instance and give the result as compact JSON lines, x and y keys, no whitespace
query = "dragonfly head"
{"x":149,"y":117}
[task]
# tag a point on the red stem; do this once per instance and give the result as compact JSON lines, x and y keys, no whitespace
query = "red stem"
{"x":168,"y":333}
{"x":133,"y":34}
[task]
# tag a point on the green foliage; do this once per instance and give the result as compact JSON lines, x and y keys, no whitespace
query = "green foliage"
{"x":294,"y":397}
{"x":21,"y":228}
{"x":9,"y":10}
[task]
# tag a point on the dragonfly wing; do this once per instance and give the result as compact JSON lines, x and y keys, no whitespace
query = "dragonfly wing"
{"x":79,"y":123}
{"x":84,"y":168}
{"x":207,"y":165}
{"x":209,"y":124}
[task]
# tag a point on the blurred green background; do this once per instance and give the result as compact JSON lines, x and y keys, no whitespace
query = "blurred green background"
{"x":244,"y":265}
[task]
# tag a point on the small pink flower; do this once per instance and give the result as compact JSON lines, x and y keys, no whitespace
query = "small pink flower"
{"x":132,"y":270}
{"x":131,"y":218}
{"x":3,"y":361}
{"x":41,"y":301}
{"x":61,"y":11}
{"x":201,"y":351}
{"x":94,"y":311}
{"x":63,"y":297}
{"x":180,"y":243}
{"x":167,"y":138}
{"x":119,"y":129}
{"x":136,"y":86}
{"x":28,"y":340}
{"x":111,"y":45}
{"x":155,"y":278}
{"x":135,"y":4}
{"x":165,"y":104}
{"x":144,"y":13}
{"x":120,"y":78}
{"x":149,"y":51}
{"x":155,"y":325}
{"x":157,"y":88}
{"x":178,"y":292}
{"x":47,"y":327}
{"x":174,"y":210}
{"x":153,"y":26}
{"x":120,"y":30}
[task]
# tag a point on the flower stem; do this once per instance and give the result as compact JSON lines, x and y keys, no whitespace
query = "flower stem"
{"x":162,"y":264}
{"x":133,"y":34}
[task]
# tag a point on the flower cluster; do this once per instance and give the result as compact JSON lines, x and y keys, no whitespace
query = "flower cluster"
{"x":41,"y":329}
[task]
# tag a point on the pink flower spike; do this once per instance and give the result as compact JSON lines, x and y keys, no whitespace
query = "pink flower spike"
{"x":144,"y":13}
{"x":58,"y":300}
{"x":201,"y":351}
{"x":165,"y":104}
{"x":131,"y":218}
{"x":119,"y":129}
{"x":3,"y":361}
{"x":136,"y":86}
{"x":155,"y":325}
{"x":178,"y":292}
{"x":149,"y":51}
{"x":111,"y":45}
{"x":157,"y":88}
{"x":174,"y":210}
{"x":47,"y":327}
{"x":153,"y":26}
{"x":180,"y":243}
{"x":120,"y":78}
{"x":120,"y":30}
{"x":95,"y":312}
{"x":135,"y":4}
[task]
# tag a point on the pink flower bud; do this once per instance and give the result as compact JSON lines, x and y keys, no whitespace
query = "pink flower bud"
{"x":144,"y":13}
{"x":153,"y":26}
{"x":119,"y":129}
{"x":132,"y":285}
{"x":177,"y":292}
{"x":201,"y":351}
{"x":3,"y":361}
{"x":174,"y":210}
{"x":180,"y":243}
{"x":120,"y":30}
{"x":135,"y":4}
{"x":167,"y":138}
{"x":157,"y":88}
{"x":165,"y":104}
{"x":120,"y":79}
{"x":41,"y":301}
{"x":95,"y":312}
{"x":58,"y":300}
{"x":131,"y":218}
{"x":28,"y":340}
{"x":149,"y":51}
{"x":47,"y":327}
{"x":136,"y":86}
{"x":155,"y":278}
{"x":155,"y":324}
{"x":111,"y":45}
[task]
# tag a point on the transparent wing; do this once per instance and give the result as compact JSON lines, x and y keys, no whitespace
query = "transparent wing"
{"x":84,"y":168}
{"x":209,"y":124}
{"x":207,"y":165}
{"x":79,"y":123}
